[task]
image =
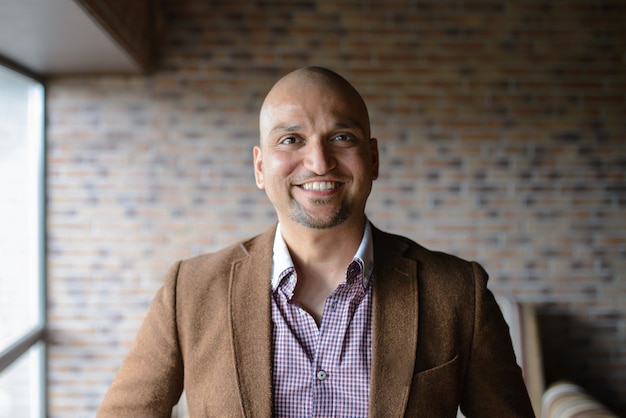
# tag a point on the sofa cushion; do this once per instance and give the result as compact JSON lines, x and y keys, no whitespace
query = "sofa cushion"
{"x":565,"y":399}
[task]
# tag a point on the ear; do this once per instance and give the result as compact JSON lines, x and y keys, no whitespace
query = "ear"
{"x":258,"y":167}
{"x":375,"y":156}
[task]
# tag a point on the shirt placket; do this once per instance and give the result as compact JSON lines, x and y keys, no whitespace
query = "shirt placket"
{"x":333,"y":328}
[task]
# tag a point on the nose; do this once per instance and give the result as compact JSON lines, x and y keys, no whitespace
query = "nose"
{"x":319,"y":158}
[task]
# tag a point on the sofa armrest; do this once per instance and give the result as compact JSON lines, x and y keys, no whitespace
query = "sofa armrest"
{"x":522,"y":321}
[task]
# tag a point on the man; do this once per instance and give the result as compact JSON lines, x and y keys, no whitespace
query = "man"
{"x":323,"y":315}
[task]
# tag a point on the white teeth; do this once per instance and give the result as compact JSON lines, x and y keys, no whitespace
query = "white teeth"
{"x":319,"y":185}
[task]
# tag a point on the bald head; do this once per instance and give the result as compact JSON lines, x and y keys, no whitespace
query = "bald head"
{"x":312,"y":83}
{"x":316,"y":160}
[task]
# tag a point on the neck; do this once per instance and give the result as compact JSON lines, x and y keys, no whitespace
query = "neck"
{"x":329,"y":246}
{"x":320,"y":257}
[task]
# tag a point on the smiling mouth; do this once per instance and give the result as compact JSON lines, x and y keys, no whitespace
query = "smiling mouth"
{"x":321,"y":185}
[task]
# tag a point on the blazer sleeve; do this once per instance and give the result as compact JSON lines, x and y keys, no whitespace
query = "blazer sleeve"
{"x":494,"y":386}
{"x":150,"y":380}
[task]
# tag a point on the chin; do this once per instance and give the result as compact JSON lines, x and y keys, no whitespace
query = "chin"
{"x":319,"y":223}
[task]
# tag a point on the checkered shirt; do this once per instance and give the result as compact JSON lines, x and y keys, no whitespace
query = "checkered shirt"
{"x":325,"y":371}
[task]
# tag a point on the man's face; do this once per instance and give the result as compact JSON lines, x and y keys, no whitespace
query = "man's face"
{"x":316,"y":161}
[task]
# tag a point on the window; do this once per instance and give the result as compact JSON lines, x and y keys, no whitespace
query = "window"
{"x":22,"y":300}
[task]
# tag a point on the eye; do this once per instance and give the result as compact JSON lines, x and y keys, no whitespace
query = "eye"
{"x":289,"y":140}
{"x":344,"y":140}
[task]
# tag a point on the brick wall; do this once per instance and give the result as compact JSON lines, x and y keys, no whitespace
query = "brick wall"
{"x":501,"y":125}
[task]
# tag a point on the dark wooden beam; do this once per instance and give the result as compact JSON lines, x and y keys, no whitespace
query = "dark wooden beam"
{"x":135,"y":25}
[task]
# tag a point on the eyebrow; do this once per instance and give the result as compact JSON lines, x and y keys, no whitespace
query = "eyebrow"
{"x":285,"y":128}
{"x":350,"y":124}
{"x":344,"y":124}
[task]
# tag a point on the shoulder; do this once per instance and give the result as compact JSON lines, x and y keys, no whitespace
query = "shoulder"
{"x":393,"y":245}
{"x":437,"y":272}
{"x":255,"y":247}
{"x":215,"y":268}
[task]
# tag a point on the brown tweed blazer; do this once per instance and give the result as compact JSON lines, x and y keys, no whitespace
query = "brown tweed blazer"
{"x":439,"y":340}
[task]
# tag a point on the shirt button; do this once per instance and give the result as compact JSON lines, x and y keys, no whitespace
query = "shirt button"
{"x":321,"y":375}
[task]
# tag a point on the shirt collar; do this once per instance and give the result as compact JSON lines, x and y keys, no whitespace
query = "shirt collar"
{"x":281,"y":259}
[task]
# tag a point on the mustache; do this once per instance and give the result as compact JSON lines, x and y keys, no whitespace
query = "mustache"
{"x":330,"y":176}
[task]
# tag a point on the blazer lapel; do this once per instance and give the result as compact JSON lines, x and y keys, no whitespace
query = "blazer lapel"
{"x":251,"y":326}
{"x":394,"y":334}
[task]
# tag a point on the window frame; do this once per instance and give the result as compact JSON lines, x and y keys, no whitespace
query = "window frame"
{"x":37,"y":333}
